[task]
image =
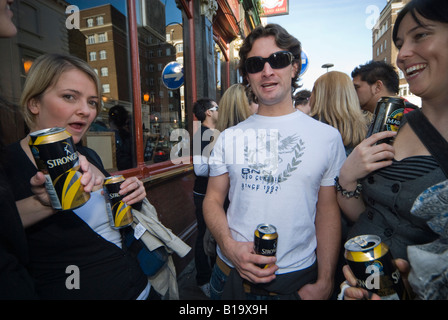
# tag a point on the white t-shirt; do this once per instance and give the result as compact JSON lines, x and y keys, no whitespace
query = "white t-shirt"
{"x":94,"y":213}
{"x":278,"y":182}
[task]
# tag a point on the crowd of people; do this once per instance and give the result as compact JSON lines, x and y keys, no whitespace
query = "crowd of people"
{"x":300,"y":162}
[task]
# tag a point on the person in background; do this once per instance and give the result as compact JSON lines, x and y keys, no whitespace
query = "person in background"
{"x":262,"y":186}
{"x":374,"y":80}
{"x":119,"y":123}
{"x":234,"y":107}
{"x":253,"y":105}
{"x":302,"y":101}
{"x":15,"y":280}
{"x":334,"y":102}
{"x":206,"y":111}
{"x":392,"y":176}
{"x":63,"y":91}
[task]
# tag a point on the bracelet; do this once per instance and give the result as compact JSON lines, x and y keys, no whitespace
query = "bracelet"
{"x":344,"y":286}
{"x":345,"y":193}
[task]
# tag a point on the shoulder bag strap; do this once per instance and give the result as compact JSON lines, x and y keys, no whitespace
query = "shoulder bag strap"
{"x":432,"y":139}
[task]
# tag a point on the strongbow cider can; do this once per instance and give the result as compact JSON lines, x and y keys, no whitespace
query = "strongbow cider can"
{"x":56,"y":156}
{"x":120,"y":214}
{"x":265,"y":240}
{"x":388,"y":114}
{"x":372,"y":264}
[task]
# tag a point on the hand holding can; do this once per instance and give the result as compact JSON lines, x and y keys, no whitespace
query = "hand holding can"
{"x":265,"y":241}
{"x":120,"y":214}
{"x":371,"y":263}
{"x":388,"y":114}
{"x":56,"y":156}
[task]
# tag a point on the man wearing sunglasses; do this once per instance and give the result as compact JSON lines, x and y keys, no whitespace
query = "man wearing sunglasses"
{"x":206,"y":111}
{"x":286,"y":180}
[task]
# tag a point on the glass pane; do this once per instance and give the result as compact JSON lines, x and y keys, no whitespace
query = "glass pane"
{"x":160,"y":30}
{"x":104,"y":25}
{"x":96,"y":32}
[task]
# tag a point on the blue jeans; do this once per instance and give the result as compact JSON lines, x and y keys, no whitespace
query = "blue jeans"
{"x":217,"y":283}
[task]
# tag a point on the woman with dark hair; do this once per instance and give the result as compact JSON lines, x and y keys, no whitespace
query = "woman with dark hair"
{"x":393,"y":176}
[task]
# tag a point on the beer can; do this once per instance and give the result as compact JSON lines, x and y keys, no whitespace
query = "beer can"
{"x":265,"y":240}
{"x":56,"y":156}
{"x":372,"y":264}
{"x":120,"y":214}
{"x":387,"y":117}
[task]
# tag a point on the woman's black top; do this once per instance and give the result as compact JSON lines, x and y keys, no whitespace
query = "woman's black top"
{"x":63,"y":242}
{"x":389,"y":194}
{"x":15,"y":281}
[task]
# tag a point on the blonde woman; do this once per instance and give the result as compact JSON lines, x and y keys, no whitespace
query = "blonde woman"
{"x":334,"y":101}
{"x":63,"y":91}
{"x":233,"y":107}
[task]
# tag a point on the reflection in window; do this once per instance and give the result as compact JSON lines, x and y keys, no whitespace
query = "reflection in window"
{"x":103,"y":55}
{"x":102,"y":37}
{"x":106,"y":88}
{"x":104,"y":71}
{"x":160,"y":23}
{"x":92,"y":41}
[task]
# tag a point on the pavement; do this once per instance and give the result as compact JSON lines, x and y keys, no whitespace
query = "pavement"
{"x":186,"y":281}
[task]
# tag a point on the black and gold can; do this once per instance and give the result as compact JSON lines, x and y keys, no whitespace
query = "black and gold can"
{"x":56,"y":156}
{"x":120,"y":214}
{"x":372,"y":264}
{"x":265,"y":240}
{"x":387,"y":117}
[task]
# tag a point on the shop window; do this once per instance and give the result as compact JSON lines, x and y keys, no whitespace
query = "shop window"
{"x":109,"y":57}
{"x":164,"y":27}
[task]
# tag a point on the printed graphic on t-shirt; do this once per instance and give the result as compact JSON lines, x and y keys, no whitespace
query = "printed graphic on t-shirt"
{"x":271,"y":161}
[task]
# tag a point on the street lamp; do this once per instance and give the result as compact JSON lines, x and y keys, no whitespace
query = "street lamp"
{"x":327,"y":65}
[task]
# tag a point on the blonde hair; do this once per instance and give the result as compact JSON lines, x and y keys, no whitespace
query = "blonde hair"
{"x":233,"y":107}
{"x":45,"y":72}
{"x":335,"y":102}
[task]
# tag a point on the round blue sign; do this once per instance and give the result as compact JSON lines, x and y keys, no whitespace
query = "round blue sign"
{"x":305,"y":63}
{"x":173,"y":75}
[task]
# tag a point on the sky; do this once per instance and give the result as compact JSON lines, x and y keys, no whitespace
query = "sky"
{"x":332,"y":31}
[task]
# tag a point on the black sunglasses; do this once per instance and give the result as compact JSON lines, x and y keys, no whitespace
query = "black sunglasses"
{"x":277,"y":60}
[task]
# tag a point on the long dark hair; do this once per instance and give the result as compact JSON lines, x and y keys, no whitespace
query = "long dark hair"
{"x":435,"y":10}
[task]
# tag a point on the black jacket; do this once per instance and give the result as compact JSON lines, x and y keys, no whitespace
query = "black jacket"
{"x":64,"y":240}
